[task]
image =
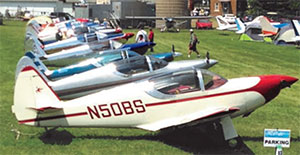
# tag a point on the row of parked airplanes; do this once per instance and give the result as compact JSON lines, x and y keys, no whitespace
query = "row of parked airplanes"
{"x":85,"y":77}
{"x":263,"y":29}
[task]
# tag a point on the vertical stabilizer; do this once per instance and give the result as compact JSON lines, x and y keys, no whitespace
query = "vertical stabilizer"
{"x":39,"y":64}
{"x":31,"y":95}
{"x":240,"y":25}
{"x":222,"y":23}
{"x":26,"y":61}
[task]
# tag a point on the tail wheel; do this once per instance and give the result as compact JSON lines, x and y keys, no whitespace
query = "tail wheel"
{"x":235,"y":143}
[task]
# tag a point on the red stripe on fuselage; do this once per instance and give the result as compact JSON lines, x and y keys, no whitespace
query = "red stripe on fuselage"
{"x":52,"y":117}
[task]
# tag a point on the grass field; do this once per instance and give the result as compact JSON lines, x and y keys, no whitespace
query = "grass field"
{"x":236,"y":58}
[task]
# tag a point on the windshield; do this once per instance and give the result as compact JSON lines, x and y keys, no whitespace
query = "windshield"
{"x":132,"y":53}
{"x":106,"y":58}
{"x":139,"y":64}
{"x":212,"y":80}
{"x":157,"y":63}
{"x":132,"y":65}
{"x":176,"y":83}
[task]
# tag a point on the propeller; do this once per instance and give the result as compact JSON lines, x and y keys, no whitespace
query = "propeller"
{"x":207,"y":57}
{"x":173,"y":48}
{"x":175,"y":54}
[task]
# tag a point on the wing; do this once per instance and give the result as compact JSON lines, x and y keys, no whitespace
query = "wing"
{"x":178,"y":24}
{"x":201,"y":115}
{"x":191,"y":17}
{"x":163,"y":18}
{"x":145,"y":17}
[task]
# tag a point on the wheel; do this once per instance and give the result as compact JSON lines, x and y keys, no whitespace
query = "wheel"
{"x":235,"y":143}
{"x":281,"y":42}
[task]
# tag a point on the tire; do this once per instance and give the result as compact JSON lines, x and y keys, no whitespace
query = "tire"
{"x":281,"y":42}
{"x":235,"y":143}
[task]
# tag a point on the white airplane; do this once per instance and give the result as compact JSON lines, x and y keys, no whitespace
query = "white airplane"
{"x":184,"y":97}
{"x":268,"y":28}
{"x":53,"y":32}
{"x":237,"y":26}
{"x":223,"y":24}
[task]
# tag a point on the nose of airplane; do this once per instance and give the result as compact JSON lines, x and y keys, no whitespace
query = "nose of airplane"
{"x":270,"y":85}
{"x":129,"y":35}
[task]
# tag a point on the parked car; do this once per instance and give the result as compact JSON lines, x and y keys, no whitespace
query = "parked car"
{"x":203,"y":24}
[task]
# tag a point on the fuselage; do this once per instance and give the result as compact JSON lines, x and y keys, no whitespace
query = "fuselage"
{"x":149,"y":106}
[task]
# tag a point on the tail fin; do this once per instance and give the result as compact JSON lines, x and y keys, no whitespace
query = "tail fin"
{"x":35,"y":45}
{"x":240,"y":25}
{"x":41,"y":66}
{"x":31,"y":95}
{"x":221,"y":22}
{"x":267,"y":27}
{"x":28,"y":61}
{"x":38,"y":48}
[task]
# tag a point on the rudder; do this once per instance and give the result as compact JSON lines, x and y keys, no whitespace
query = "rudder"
{"x":32,"y":94}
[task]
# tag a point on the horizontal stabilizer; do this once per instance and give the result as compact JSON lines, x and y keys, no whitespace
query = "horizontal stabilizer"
{"x":44,"y":108}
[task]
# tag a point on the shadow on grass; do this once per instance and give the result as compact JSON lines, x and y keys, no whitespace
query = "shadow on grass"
{"x":224,"y":34}
{"x":57,"y":137}
{"x":196,"y":140}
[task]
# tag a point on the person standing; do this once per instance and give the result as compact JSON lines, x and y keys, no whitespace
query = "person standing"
{"x":143,"y":33}
{"x":192,"y":45}
{"x":151,"y":37}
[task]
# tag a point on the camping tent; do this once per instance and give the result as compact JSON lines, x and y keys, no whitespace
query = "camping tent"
{"x":252,"y":33}
{"x":285,"y":36}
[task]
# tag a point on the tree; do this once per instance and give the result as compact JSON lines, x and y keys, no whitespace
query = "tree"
{"x":284,"y":8}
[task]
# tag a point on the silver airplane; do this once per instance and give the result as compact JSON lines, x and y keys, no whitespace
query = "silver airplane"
{"x":102,"y":58}
{"x":90,"y":38}
{"x":113,"y":74}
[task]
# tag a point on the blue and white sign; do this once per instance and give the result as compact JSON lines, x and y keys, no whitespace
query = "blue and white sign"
{"x":275,"y":137}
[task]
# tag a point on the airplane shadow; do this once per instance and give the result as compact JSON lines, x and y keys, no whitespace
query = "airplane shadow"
{"x":224,"y":34}
{"x":196,"y":140}
{"x":57,"y":137}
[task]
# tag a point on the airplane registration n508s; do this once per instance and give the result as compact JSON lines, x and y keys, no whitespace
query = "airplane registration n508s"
{"x":184,"y":97}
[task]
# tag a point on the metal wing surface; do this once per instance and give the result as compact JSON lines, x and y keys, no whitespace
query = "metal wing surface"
{"x":190,"y":17}
{"x":163,"y":18}
{"x":190,"y":118}
{"x":145,"y":17}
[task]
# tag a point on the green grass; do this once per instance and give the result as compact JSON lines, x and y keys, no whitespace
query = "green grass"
{"x":236,"y":59}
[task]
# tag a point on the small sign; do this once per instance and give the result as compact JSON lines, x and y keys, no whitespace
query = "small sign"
{"x":275,"y":137}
